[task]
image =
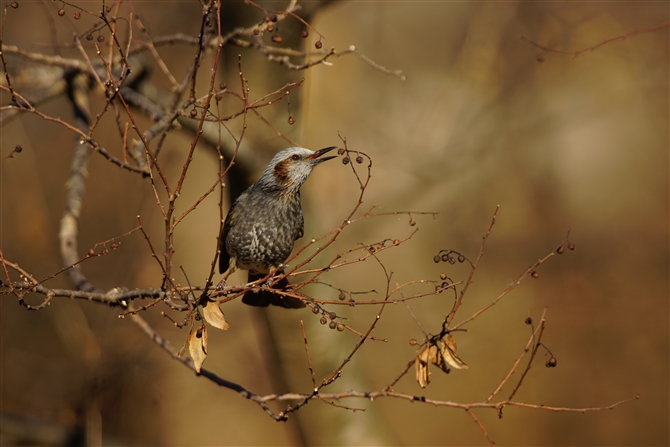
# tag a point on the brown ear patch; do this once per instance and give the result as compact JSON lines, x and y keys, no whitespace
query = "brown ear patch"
{"x":281,"y":172}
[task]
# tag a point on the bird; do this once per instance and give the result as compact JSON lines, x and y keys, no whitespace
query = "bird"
{"x":263,"y":223}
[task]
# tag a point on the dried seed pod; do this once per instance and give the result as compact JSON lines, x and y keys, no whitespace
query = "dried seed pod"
{"x":445,"y":258}
{"x":412,"y":222}
{"x":340,"y":327}
{"x":342,"y":296}
{"x":551,"y":363}
{"x":461,"y":258}
{"x":18,"y":149}
{"x":560,"y":250}
{"x":291,"y":120}
{"x":436,"y":259}
{"x":101,"y":38}
{"x":323,"y":320}
{"x":318,"y":45}
{"x":77,"y":15}
{"x":61,"y":12}
{"x":276,"y":38}
{"x":443,"y":276}
{"x":359,"y":159}
{"x":89,"y":37}
{"x":534,"y":274}
{"x":345,"y":160}
{"x":315,"y":310}
{"x":571,"y":246}
{"x":412,"y":342}
{"x":340,"y":151}
{"x":332,"y":325}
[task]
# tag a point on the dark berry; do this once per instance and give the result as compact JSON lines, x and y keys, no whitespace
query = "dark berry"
{"x":318,"y":45}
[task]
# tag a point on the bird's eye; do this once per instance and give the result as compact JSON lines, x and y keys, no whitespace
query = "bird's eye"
{"x":295,"y":157}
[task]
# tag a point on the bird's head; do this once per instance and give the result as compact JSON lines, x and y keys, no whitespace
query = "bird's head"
{"x":289,"y":168}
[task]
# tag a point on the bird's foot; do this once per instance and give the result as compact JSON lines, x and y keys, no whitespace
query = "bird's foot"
{"x":221,"y":284}
{"x":275,"y":272}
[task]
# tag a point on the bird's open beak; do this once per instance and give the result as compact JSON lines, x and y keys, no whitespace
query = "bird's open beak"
{"x":316,"y":157}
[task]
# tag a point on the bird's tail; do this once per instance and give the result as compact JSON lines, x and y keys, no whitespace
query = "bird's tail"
{"x":264,"y":297}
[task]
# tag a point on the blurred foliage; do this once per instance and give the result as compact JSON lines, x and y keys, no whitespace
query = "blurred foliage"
{"x":567,"y":143}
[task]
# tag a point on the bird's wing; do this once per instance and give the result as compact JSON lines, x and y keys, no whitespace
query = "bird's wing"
{"x":301,"y":228}
{"x":224,"y":257}
{"x":301,"y":232}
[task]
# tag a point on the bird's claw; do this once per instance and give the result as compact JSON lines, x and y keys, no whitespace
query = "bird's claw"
{"x":278,"y":271}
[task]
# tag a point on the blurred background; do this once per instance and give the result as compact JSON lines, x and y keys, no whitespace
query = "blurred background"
{"x":565,"y":143}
